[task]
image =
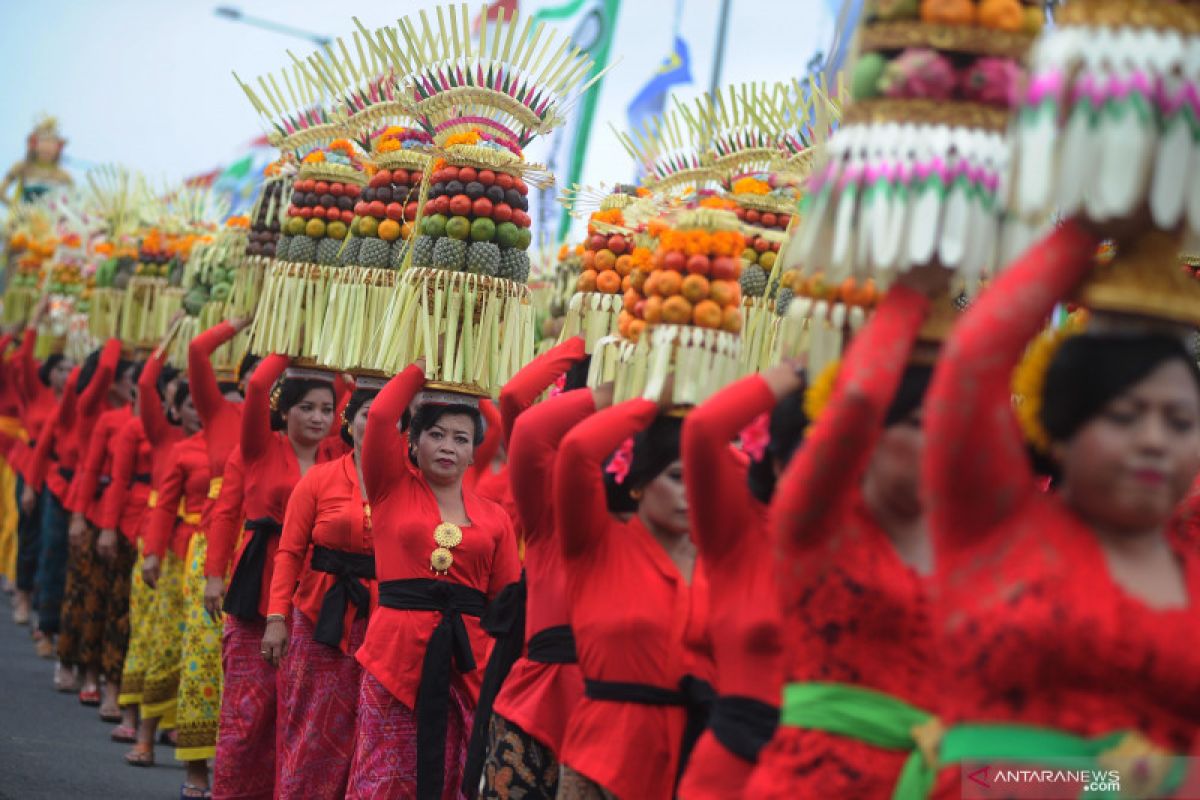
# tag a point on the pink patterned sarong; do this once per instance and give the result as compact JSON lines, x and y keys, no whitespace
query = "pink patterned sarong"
{"x":318,"y":706}
{"x":244,"y":767}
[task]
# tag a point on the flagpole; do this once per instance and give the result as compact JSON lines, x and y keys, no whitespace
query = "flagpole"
{"x":719,"y":58}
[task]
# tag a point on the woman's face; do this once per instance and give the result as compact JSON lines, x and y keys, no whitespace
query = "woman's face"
{"x":358,"y":425}
{"x":892,"y":481}
{"x":123,"y":388}
{"x":663,"y":505}
{"x":59,"y":375}
{"x":189,"y":418}
{"x":446,"y":448}
{"x":46,"y":148}
{"x":308,"y":421}
{"x":1128,"y":467}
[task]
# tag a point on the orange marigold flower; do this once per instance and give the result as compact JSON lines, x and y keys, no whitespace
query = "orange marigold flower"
{"x":388,"y":146}
{"x":315,"y":157}
{"x":750,"y":185}
{"x":466,"y":137}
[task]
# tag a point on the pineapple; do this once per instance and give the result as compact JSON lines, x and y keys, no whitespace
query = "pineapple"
{"x":281,"y":247}
{"x":303,"y":250}
{"x":423,"y":251}
{"x":349,"y":254}
{"x":483,"y":258}
{"x":327,"y":250}
{"x":514,"y":264}
{"x":450,"y":254}
{"x":753,"y":281}
{"x":399,"y":251}
{"x":783,"y":300}
{"x":375,"y":253}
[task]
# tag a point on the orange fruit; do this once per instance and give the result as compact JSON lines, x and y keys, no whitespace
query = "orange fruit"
{"x":623,"y":322}
{"x":589,"y":259}
{"x":731,"y":319}
{"x":624,"y":264}
{"x":587,"y":281}
{"x":707,"y":314}
{"x":631,"y":300}
{"x":389,"y":230}
{"x":846,"y":290}
{"x":605,"y":259}
{"x":652,"y":312}
{"x":608,"y":282}
{"x":725,"y":293}
{"x":637,"y":279}
{"x":668,"y":283}
{"x":695,"y":288}
{"x":677,"y":310}
{"x":636,"y":328}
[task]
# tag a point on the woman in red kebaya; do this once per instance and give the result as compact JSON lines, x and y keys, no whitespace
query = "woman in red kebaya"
{"x":728,"y":496}
{"x":637,"y":598}
{"x":441,"y":553}
{"x":852,"y":552}
{"x":524,"y":733}
{"x":322,"y":590}
{"x":282,"y":433}
{"x":169,"y":529}
{"x":1072,"y":610}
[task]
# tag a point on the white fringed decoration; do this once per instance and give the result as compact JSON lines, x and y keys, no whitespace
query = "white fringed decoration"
{"x":299,"y":295}
{"x":700,"y":360}
{"x":592,"y":315}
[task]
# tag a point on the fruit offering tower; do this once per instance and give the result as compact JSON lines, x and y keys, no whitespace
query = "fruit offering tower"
{"x":463,"y":304}
{"x":915,"y":173}
{"x":31,"y":241}
{"x":114,"y":195}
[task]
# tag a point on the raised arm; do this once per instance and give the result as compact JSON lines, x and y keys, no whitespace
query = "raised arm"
{"x":202,"y":379}
{"x":124,"y":452}
{"x":63,"y":419}
{"x":486,"y":452}
{"x":293,"y":543}
{"x":106,"y":369}
{"x":535,"y":438}
{"x":256,"y":411}
{"x":225,"y":520}
{"x":976,"y":469}
{"x":523,"y":390}
{"x":384,"y":447}
{"x":714,"y":477}
{"x":160,"y":520}
{"x":580,"y":510}
{"x":150,"y":407}
{"x":832,"y":459}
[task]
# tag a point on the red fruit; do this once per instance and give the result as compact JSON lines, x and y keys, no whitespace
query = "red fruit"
{"x":337,"y":189}
{"x":502,"y":212}
{"x":304,"y":185}
{"x":739,"y":212}
{"x":752,"y":215}
{"x":761,"y":245}
{"x":438,"y":205}
{"x":725,"y":268}
{"x":597,"y":242}
{"x":305,"y":213}
{"x":482,"y":207}
{"x":347,"y":216}
{"x":410,"y":210}
{"x":395,"y":211}
{"x":360,"y":208}
{"x":783,"y":220}
{"x":377,"y":209}
{"x":617,"y":244}
{"x":521,"y":219}
{"x":399,"y":176}
{"x":414,"y":178}
{"x":467,"y":174}
{"x":293,"y":211}
{"x":520,"y":186}
{"x":460,"y":205}
{"x":674,"y":260}
{"x":448,"y":174}
{"x":504,"y":180}
{"x":775,"y":247}
{"x":699,"y":264}
{"x":353,"y":190}
{"x":321,"y":187}
{"x":486,"y":177}
{"x":769,"y":220}
{"x":318,"y":212}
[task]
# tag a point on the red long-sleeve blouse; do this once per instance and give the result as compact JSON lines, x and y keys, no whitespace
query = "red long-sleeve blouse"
{"x":92,"y":403}
{"x":180,"y":496}
{"x":124,"y":503}
{"x":38,"y":404}
{"x":327,"y":508}
{"x":405,"y":512}
{"x":222,"y":418}
{"x":729,"y":524}
{"x":539,"y":698}
{"x":96,"y":467}
{"x":632,"y":612}
{"x":45,"y":465}
{"x":225,"y":518}
{"x":1036,"y":628}
{"x":852,"y":610}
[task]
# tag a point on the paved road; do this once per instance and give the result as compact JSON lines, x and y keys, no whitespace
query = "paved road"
{"x":51,"y":747}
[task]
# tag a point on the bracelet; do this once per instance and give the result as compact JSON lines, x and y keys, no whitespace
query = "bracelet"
{"x":275,"y":618}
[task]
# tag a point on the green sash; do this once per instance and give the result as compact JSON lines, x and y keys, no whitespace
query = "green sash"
{"x":884,"y":721}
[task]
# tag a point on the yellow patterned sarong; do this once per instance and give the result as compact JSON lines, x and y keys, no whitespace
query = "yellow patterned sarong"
{"x":167,"y":623}
{"x":199,"y":706}
{"x":141,"y":605}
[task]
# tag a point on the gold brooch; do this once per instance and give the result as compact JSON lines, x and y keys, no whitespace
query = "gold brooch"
{"x":441,"y":560}
{"x":447,"y":534}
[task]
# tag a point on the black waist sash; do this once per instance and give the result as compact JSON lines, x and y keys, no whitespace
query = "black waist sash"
{"x":245,"y":585}
{"x":694,"y":695}
{"x":348,"y":569}
{"x":449,"y":644}
{"x":743,"y":725}
{"x":553,"y":646}
{"x":504,"y":621}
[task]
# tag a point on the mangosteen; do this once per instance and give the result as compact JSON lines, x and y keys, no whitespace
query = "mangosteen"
{"x":313,"y":199}
{"x":515,"y":199}
{"x":368,"y":194}
{"x":328,"y":201}
{"x":495,"y":193}
{"x":400,"y":190}
{"x":437,"y":190}
{"x":474,"y":190}
{"x":383,"y":194}
{"x":454,"y":187}
{"x":345,"y":203}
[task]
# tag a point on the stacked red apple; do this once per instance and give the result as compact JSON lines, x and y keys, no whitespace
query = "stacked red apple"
{"x":318,"y":220}
{"x":384,"y":216}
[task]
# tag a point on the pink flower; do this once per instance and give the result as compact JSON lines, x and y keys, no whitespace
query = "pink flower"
{"x":756,"y":436}
{"x":621,"y":461}
{"x":558,"y":386}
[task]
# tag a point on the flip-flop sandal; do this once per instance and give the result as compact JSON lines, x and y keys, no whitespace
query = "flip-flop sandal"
{"x":111,"y":716}
{"x":137,"y":757}
{"x":89,"y":697}
{"x":125,"y":734}
{"x":190,"y":792}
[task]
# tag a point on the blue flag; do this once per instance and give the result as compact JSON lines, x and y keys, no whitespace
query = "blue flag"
{"x":675,"y":70}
